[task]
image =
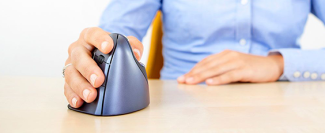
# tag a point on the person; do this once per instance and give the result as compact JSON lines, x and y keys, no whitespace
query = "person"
{"x":211,"y":41}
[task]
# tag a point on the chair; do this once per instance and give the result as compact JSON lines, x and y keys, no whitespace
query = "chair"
{"x":155,"y":59}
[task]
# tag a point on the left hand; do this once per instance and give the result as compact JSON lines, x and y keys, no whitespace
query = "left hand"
{"x":231,"y":66}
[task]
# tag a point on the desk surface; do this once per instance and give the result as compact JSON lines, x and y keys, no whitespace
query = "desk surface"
{"x":32,"y":104}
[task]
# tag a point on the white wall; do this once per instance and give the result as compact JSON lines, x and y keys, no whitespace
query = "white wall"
{"x":35,"y":34}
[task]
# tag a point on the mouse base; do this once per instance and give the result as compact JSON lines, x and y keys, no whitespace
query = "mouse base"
{"x":81,"y":111}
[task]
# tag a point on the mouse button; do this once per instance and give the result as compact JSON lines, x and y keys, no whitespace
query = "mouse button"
{"x":102,"y":58}
{"x":114,"y":36}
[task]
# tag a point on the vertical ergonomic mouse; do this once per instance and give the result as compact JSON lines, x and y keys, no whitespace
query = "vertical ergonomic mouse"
{"x":125,"y":88}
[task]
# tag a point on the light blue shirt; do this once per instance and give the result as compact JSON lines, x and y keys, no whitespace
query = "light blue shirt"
{"x":195,"y":29}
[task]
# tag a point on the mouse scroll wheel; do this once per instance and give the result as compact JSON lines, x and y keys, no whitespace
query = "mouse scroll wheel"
{"x":141,"y":64}
{"x":100,"y":59}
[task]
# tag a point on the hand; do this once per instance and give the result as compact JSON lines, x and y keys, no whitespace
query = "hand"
{"x":84,"y":75}
{"x":231,"y":66}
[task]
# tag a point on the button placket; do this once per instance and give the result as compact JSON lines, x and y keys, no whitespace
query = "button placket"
{"x":242,"y":42}
{"x":243,"y":2}
{"x":243,"y":24}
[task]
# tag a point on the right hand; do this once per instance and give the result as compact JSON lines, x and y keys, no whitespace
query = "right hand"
{"x":84,"y":75}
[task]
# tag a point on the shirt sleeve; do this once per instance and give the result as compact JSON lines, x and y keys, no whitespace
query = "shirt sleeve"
{"x":302,"y":65}
{"x":305,"y":65}
{"x":129,"y":17}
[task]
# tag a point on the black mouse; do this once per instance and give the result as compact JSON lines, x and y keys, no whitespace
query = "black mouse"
{"x":125,"y":88}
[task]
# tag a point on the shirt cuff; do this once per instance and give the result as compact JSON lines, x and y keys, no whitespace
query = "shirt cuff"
{"x":302,"y":65}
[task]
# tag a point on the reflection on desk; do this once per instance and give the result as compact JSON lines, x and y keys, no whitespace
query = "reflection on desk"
{"x":34,"y":104}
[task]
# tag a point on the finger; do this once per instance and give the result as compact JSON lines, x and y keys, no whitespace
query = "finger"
{"x":67,"y":61}
{"x":209,"y":62}
{"x":82,"y":61}
{"x":211,"y":72}
{"x":205,"y":64}
{"x":73,"y":99}
{"x":80,"y":85}
{"x":137,"y":46}
{"x":229,"y":77}
{"x":97,"y":37}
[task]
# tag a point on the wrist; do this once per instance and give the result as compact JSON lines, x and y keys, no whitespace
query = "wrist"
{"x":279,"y":63}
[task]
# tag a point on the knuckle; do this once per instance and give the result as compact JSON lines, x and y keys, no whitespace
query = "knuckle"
{"x":217,"y":69}
{"x":211,"y":64}
{"x":195,"y":71}
{"x":206,"y":59}
{"x":67,"y":75}
{"x":83,"y":31}
{"x":83,"y":66}
{"x":87,"y":70}
{"x":75,"y":54}
{"x":238,"y":62}
{"x":198,"y":76}
{"x":77,"y":86}
{"x":71,"y":47}
{"x":234,"y":54}
{"x":227,"y":51}
{"x":90,"y":32}
{"x":68,"y":81}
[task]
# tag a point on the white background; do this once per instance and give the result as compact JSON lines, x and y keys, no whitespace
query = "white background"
{"x":35,"y":34}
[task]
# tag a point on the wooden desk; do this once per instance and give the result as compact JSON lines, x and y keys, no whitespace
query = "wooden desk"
{"x":32,"y":104}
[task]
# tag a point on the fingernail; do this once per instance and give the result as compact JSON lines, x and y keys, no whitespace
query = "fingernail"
{"x":86,"y":94}
{"x":181,"y":79}
{"x":209,"y":81}
{"x":137,"y":51}
{"x":74,"y":102}
{"x":190,"y":79}
{"x":104,"y":45}
{"x":93,"y":78}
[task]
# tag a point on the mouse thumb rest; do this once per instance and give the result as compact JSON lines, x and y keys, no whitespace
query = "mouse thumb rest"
{"x":125,"y":88}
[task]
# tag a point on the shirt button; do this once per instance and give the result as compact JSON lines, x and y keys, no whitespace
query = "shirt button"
{"x":242,"y":42}
{"x":296,"y":74}
{"x":314,"y":76}
{"x":323,"y":76}
{"x":306,"y":74}
{"x":244,"y":2}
